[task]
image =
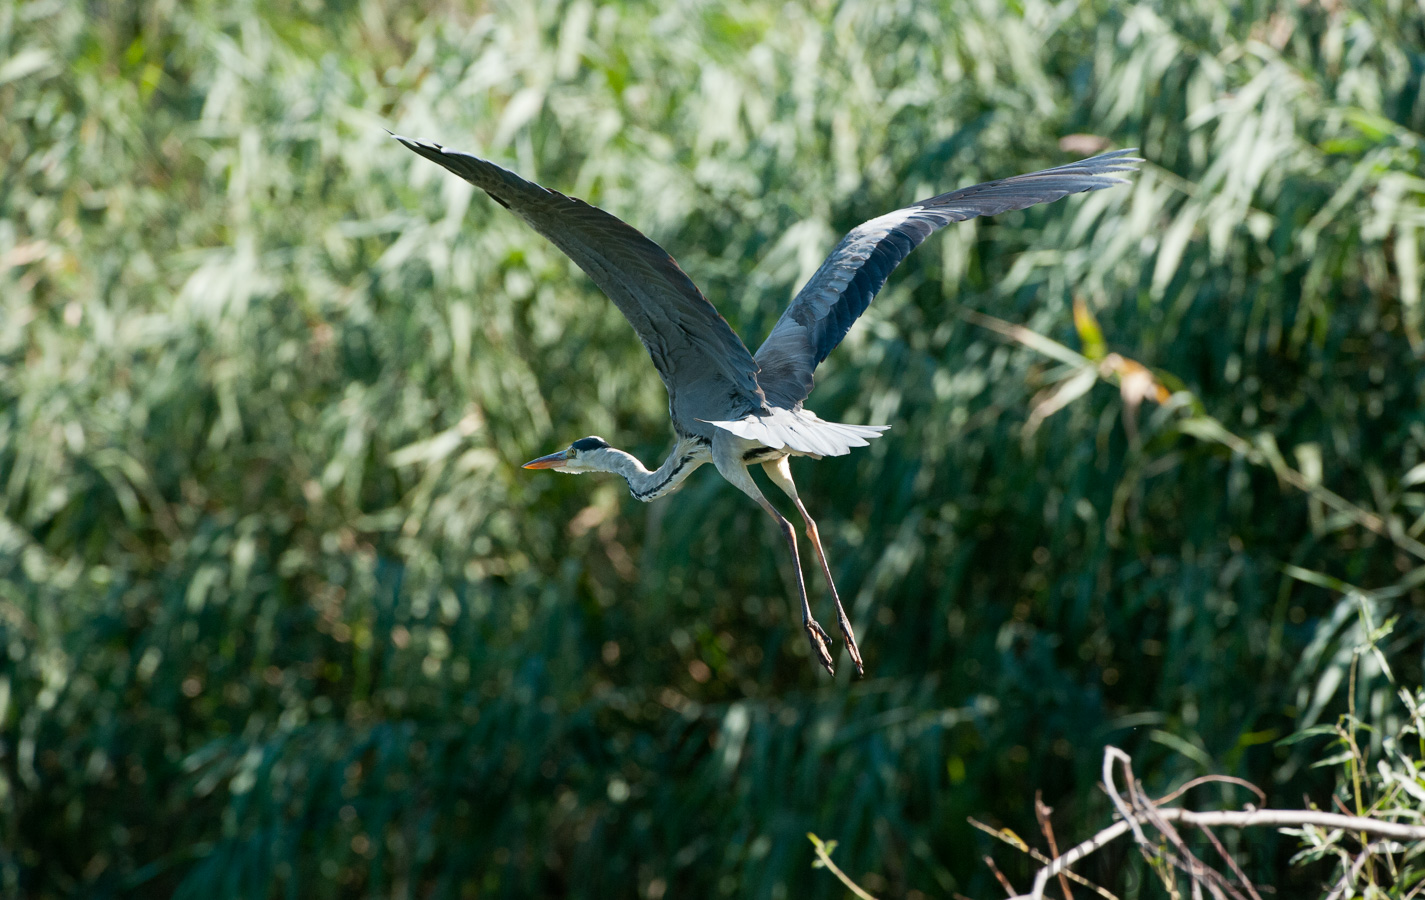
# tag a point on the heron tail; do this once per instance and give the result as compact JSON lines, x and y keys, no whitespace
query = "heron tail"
{"x":802,"y":431}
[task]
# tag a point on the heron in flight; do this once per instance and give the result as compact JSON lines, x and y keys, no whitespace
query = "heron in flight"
{"x":730,"y":407}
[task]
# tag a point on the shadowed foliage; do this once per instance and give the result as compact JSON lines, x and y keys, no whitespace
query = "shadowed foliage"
{"x":281,"y":616}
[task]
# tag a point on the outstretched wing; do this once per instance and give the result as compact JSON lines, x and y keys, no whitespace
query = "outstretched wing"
{"x":708,"y":370}
{"x":825,"y":308}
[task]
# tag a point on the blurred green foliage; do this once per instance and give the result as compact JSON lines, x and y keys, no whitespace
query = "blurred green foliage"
{"x":280,"y":615}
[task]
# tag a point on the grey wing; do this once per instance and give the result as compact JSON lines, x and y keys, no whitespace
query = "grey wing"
{"x":826,"y":307}
{"x":707,"y":369}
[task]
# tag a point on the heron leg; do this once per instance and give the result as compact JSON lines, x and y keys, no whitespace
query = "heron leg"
{"x":781,"y":474}
{"x":820,"y":640}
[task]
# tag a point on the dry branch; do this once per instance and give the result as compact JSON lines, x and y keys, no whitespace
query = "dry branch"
{"x":1135,"y":811}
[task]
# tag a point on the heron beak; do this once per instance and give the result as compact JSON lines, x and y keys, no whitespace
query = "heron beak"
{"x":552,"y":461}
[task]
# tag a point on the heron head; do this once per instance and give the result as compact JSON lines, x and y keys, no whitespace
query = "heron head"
{"x":580,"y":457}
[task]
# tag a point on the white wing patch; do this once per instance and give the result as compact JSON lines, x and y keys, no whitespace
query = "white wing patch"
{"x":802,"y":431}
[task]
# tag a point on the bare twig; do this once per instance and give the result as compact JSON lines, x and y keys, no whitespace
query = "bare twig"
{"x":1007,"y":836}
{"x":1004,"y":882}
{"x":1110,"y":756}
{"x":823,"y":858}
{"x":1280,"y":818}
{"x":1199,"y":873}
{"x":1137,"y":811}
{"x":1014,"y":840}
{"x":1212,"y":779}
{"x":1042,"y":813}
{"x":1074,"y":854}
{"x":1288,"y":818}
{"x":1231,"y":863}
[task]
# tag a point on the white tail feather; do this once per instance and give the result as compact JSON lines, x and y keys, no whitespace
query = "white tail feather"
{"x":802,"y":431}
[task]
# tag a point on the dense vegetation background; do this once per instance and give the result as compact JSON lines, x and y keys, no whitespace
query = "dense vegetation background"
{"x":281,"y":616}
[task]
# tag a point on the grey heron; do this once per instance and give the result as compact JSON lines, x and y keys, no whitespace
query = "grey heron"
{"x":730,"y":407}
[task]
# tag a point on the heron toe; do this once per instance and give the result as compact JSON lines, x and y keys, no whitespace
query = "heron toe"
{"x":851,"y":647}
{"x":820,"y":642}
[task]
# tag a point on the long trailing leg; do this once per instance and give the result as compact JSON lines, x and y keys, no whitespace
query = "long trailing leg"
{"x":820,"y":640}
{"x":737,"y":473}
{"x":781,"y":474}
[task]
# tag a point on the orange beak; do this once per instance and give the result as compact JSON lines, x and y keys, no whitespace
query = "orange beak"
{"x":552,"y":461}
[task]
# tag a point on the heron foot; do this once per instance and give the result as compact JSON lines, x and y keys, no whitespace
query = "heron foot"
{"x":819,"y":641}
{"x":850,"y":637}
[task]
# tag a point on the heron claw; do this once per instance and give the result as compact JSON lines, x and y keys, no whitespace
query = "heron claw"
{"x":819,"y":641}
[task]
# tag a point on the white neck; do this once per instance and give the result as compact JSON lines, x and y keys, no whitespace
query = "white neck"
{"x":644,"y":484}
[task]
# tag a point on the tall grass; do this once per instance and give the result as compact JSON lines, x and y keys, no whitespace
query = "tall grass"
{"x":280,"y":615}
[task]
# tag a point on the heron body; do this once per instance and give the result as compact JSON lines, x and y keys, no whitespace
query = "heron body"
{"x":728,"y":406}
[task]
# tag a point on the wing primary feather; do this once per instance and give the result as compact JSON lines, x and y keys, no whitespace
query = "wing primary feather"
{"x":833,"y":299}
{"x":707,"y":369}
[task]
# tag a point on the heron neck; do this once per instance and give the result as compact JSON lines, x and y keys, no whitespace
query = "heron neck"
{"x":650,"y":485}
